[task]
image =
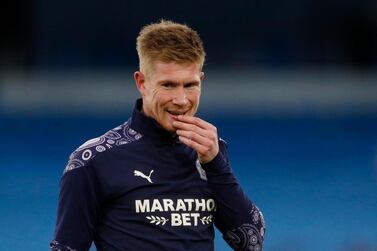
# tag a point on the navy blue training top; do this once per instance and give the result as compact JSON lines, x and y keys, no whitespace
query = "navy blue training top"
{"x":138,"y":188}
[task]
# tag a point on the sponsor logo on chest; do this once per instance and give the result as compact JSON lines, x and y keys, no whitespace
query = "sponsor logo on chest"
{"x":183,"y":212}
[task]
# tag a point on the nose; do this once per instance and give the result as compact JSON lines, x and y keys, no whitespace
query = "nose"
{"x":180,"y":96}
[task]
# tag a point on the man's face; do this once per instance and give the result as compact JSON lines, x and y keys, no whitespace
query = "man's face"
{"x":170,"y":90}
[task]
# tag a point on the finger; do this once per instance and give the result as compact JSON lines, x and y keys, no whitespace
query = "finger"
{"x":196,"y":121}
{"x":191,"y":127}
{"x":200,"y":149}
{"x":195,"y":137}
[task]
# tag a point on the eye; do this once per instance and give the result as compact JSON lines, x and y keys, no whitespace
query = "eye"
{"x":168,"y":85}
{"x":191,"y":85}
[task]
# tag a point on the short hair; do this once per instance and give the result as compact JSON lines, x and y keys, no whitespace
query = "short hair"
{"x":167,"y":41}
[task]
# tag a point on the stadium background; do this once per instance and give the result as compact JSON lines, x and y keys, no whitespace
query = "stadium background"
{"x":291,"y":85}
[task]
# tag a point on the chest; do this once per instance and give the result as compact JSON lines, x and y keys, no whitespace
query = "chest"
{"x":158,"y":184}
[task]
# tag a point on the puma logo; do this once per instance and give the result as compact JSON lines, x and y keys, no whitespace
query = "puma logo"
{"x":142,"y":175}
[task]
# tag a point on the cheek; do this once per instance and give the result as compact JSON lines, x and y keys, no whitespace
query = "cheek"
{"x":159,"y":101}
{"x":162,"y":97}
{"x":154,"y":96}
{"x":195,"y":97}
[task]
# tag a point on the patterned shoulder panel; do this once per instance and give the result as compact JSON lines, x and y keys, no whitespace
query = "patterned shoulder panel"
{"x":248,"y":236}
{"x":120,"y":135}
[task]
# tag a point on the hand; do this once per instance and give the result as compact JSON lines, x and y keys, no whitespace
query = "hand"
{"x":199,"y":135}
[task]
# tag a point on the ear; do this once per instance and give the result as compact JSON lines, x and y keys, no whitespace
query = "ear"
{"x":201,"y":76}
{"x":140,"y":81}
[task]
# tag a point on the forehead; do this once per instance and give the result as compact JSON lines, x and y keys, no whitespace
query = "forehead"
{"x":176,"y":72}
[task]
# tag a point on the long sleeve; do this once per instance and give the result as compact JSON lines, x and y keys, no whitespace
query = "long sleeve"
{"x":78,"y":208}
{"x":239,"y":220}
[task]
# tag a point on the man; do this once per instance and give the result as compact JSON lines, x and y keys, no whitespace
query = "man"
{"x":162,"y":179}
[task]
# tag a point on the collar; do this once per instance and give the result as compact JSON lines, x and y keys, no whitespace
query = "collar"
{"x":147,"y":125}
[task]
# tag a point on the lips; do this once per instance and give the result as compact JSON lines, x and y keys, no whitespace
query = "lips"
{"x":176,"y":113}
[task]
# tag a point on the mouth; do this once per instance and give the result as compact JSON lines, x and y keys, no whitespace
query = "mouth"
{"x":174,"y":114}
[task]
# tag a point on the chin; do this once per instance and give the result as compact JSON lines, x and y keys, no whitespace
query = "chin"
{"x":168,"y":126}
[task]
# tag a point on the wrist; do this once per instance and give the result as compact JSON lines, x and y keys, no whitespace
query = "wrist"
{"x":217,"y":162}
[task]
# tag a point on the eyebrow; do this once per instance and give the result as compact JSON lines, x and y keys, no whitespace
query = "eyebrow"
{"x":192,"y":83}
{"x":167,"y":82}
{"x":177,"y":83}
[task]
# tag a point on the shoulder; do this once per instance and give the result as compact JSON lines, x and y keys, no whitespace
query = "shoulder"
{"x":118,"y":136}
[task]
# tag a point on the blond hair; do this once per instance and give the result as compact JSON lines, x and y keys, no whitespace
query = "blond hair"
{"x":167,"y":42}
